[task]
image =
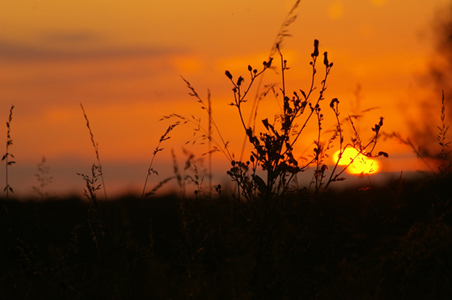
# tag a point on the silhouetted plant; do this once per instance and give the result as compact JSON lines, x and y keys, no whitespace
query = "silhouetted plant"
{"x":164,"y":137}
{"x":183,"y":175}
{"x":273,"y":150}
{"x":356,"y":143}
{"x":211,"y":123}
{"x":91,"y":185}
{"x":96,"y":149}
{"x":8,"y":156}
{"x":444,"y":156}
{"x":43,"y":179}
{"x":200,"y":132}
{"x":94,"y":221}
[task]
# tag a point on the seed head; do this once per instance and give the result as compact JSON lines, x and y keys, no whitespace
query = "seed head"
{"x":325,"y":59}
{"x":316,"y":49}
{"x":239,"y":81}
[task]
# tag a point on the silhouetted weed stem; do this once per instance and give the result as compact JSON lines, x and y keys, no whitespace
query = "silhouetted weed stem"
{"x":7,"y":156}
{"x":319,"y":151}
{"x":90,"y":190}
{"x":197,"y":178}
{"x":164,"y":137}
{"x":223,"y":147}
{"x":335,"y":107}
{"x":181,"y":178}
{"x":239,"y":96}
{"x":209,"y":112}
{"x":284,"y":68}
{"x":94,"y":219}
{"x":159,"y":185}
{"x":374,"y":141}
{"x":43,"y":179}
{"x":96,"y":149}
{"x":328,"y":67}
{"x":283,"y":30}
{"x":92,"y":186}
{"x":444,"y":156}
{"x":281,"y":35}
{"x":360,"y":148}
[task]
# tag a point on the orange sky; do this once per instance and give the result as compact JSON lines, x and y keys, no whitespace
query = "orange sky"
{"x":123,"y":60}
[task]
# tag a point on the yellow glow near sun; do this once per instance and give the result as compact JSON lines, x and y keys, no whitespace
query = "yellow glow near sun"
{"x":378,"y":2}
{"x":336,"y":10}
{"x":361,"y":164}
{"x":188,"y":64}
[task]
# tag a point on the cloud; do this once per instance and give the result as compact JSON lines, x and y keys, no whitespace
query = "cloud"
{"x":71,"y":37}
{"x":36,"y":78}
{"x":10,"y":51}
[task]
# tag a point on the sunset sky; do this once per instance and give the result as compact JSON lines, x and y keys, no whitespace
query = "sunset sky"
{"x":123,"y":60}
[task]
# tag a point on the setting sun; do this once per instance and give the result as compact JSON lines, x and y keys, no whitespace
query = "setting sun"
{"x":361,"y":164}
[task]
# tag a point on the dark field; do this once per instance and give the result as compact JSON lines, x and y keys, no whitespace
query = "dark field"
{"x":391,"y":243}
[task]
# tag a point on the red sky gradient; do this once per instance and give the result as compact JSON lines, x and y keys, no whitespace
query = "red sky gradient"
{"x":123,"y":62}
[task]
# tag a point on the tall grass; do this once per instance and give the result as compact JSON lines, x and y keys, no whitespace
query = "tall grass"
{"x":44,"y":179}
{"x":96,"y":150}
{"x":151,"y":170}
{"x":7,"y":157}
{"x":444,"y":155}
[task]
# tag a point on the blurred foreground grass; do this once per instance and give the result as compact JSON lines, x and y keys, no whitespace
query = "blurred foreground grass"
{"x":388,"y":243}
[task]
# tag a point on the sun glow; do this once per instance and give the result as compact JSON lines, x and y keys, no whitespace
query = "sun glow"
{"x":360,"y":164}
